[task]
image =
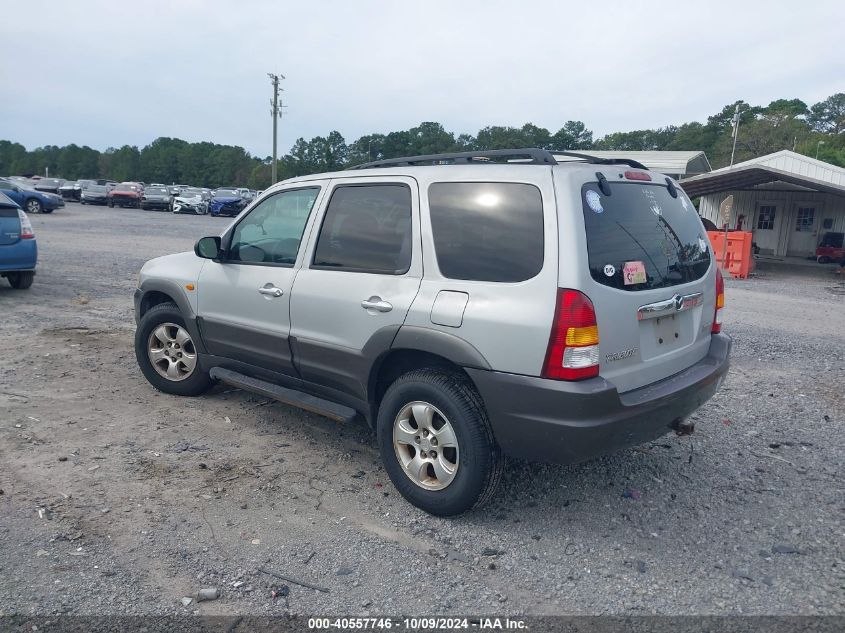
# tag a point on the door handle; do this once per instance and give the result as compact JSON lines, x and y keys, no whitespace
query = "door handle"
{"x":376,"y":303}
{"x":269,"y":290}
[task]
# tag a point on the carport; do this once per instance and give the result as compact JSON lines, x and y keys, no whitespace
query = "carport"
{"x":789,"y":201}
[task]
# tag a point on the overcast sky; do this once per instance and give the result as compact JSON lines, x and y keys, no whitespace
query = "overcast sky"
{"x":106,"y":73}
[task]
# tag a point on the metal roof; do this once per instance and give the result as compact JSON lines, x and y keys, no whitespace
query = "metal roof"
{"x":667,"y":162}
{"x":784,"y":166}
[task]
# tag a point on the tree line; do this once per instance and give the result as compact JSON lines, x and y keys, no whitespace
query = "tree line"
{"x":817,"y":130}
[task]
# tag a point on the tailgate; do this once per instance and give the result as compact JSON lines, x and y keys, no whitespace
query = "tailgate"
{"x":650,"y":278}
{"x":10,"y":226}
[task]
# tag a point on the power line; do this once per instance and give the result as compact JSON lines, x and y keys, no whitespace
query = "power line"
{"x":276,"y":114}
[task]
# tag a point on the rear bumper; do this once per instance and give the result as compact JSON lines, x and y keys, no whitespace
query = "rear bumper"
{"x":20,"y":256}
{"x":567,"y":422}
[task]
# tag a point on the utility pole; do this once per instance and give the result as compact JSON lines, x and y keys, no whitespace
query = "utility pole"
{"x":736,"y":133}
{"x":276,"y":113}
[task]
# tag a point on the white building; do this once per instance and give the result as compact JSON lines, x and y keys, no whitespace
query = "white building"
{"x":789,"y":201}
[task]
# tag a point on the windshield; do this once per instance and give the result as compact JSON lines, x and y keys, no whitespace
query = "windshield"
{"x":96,"y":188}
{"x":126,"y":188}
{"x":228,"y":193}
{"x":191,"y":193}
{"x":160,"y":191}
{"x":640,"y":237}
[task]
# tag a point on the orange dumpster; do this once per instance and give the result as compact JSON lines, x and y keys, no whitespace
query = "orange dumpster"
{"x":738,"y":261}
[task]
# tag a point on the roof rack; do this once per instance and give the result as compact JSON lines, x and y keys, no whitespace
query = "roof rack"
{"x":523,"y":156}
{"x":535,"y":156}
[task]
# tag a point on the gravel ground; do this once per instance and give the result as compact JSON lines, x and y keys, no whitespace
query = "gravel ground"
{"x":116,"y":499}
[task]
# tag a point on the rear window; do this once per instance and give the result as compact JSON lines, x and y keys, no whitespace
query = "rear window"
{"x":486,"y":231}
{"x":639,"y":237}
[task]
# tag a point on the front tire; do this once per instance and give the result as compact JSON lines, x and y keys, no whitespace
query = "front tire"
{"x":436,"y":442}
{"x":111,"y":203}
{"x":823,"y":259}
{"x":166,"y":353}
{"x":21,"y":280}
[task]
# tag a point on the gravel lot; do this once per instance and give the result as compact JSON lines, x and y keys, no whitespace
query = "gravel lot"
{"x":117,"y":499}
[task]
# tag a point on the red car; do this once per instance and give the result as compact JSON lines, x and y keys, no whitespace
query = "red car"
{"x":126,"y":194}
{"x":830,"y":249}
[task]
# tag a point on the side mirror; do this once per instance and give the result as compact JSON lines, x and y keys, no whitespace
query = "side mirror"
{"x":208,"y":247}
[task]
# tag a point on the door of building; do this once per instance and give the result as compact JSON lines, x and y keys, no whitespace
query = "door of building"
{"x":803,"y":230}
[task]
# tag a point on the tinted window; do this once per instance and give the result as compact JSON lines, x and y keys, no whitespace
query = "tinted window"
{"x":367,"y":229}
{"x":272,"y":231}
{"x":640,"y":232}
{"x":487,"y":231}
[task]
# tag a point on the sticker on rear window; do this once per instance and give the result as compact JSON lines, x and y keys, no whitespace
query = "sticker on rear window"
{"x":702,"y":245}
{"x":593,"y":201}
{"x":610,"y":270}
{"x":633,"y":273}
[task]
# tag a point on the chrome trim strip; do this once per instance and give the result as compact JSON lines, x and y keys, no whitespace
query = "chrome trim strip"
{"x":676,"y":304}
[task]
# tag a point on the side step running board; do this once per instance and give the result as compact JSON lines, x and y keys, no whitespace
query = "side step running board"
{"x":292,"y":397}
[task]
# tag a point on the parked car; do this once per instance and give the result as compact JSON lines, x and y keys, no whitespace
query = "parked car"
{"x":465,"y":309}
{"x":156,"y":198}
{"x":49,"y":185}
{"x":72,"y":189}
{"x":18,"y":249}
{"x":830,"y":249}
{"x":29,"y":199}
{"x":226,"y":202}
{"x":191,"y":201}
{"x":126,"y":194}
{"x":95,"y":194}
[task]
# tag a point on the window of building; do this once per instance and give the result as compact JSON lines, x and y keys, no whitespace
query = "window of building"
{"x":804,"y":219}
{"x":367,"y":228}
{"x":766,"y":217}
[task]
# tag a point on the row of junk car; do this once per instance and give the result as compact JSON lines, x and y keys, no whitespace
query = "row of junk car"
{"x":46,"y":194}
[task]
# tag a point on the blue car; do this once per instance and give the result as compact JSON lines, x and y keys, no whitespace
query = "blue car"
{"x":29,"y":199}
{"x":226,"y":202}
{"x":18,"y":250}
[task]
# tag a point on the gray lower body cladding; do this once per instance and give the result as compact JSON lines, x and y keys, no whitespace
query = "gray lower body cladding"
{"x":568,"y":422}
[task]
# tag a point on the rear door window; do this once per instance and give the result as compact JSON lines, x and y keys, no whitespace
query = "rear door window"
{"x":487,"y":231}
{"x":367,"y":228}
{"x":640,"y":237}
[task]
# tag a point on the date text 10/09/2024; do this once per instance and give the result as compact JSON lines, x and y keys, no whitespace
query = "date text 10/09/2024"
{"x":417,"y":624}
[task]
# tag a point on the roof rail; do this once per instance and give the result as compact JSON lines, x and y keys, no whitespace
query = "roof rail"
{"x":595,"y":160}
{"x":523,"y":156}
{"x":535,"y":156}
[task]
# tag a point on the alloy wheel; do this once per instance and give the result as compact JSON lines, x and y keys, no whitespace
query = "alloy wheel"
{"x":426,"y":445}
{"x":171,"y":352}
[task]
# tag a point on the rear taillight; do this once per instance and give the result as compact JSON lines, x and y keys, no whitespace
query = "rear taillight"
{"x":720,"y":303}
{"x":26,"y":226}
{"x":573,"y":352}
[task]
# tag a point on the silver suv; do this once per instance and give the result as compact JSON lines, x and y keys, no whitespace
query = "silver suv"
{"x":547,"y":306}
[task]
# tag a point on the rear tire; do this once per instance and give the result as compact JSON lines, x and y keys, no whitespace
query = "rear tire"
{"x":110,"y":203}
{"x":21,"y":280}
{"x":823,"y":259}
{"x":465,"y":476}
{"x":33,"y":206}
{"x":162,"y":334}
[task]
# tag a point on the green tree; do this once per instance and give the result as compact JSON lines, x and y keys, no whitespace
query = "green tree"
{"x":574,"y":135}
{"x":828,"y":116}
